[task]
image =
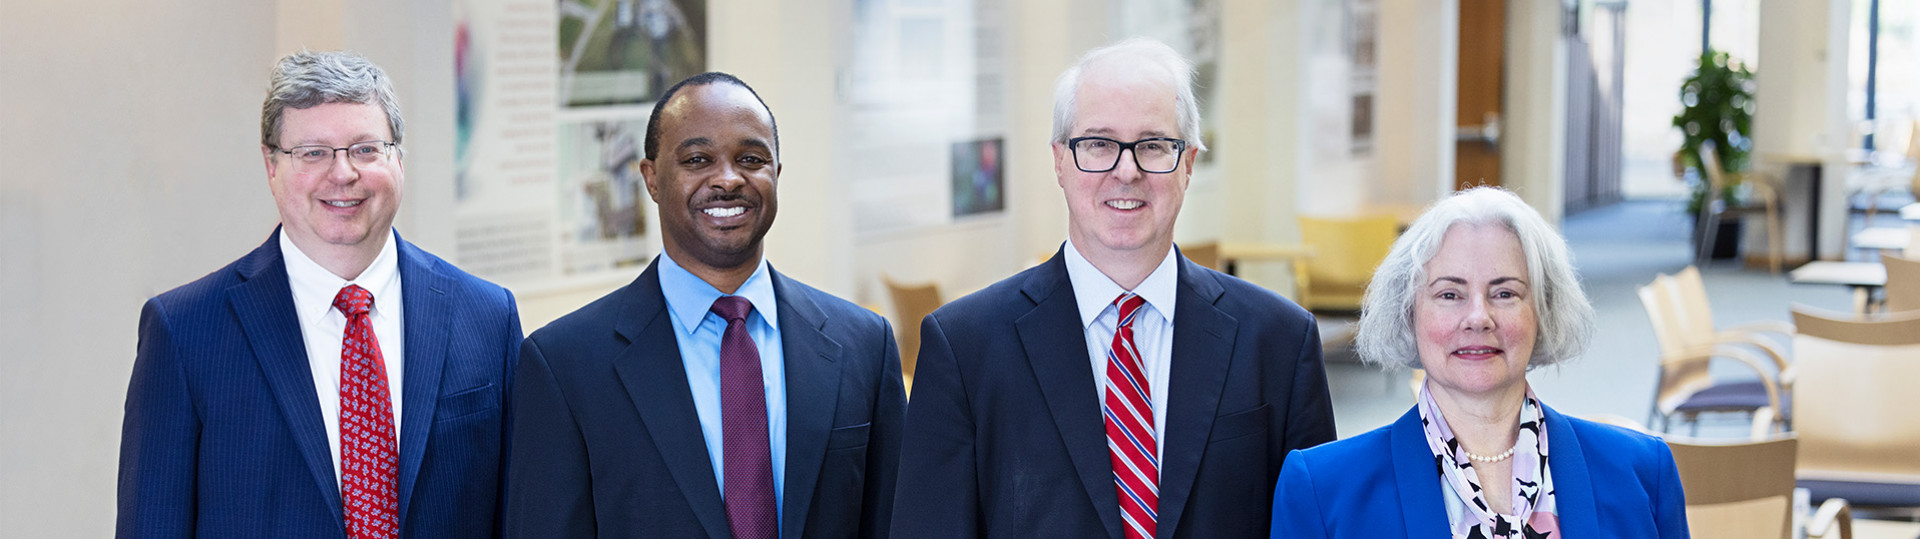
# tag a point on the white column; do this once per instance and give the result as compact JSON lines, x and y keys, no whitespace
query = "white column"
{"x":1415,"y":103}
{"x":1533,"y":150}
{"x":1800,"y":112}
{"x":792,"y":65}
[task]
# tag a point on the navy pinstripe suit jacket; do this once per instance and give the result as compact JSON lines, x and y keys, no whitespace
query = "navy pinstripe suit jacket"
{"x":223,"y":435}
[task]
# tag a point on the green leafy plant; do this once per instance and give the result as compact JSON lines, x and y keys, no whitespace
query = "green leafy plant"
{"x":1716,"y":106}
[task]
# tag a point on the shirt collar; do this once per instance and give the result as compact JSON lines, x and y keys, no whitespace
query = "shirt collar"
{"x":1094,"y":291}
{"x":314,"y":287}
{"x":691,"y":298}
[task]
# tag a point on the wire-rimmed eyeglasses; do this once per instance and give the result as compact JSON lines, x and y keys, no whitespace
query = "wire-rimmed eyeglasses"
{"x":319,"y":157}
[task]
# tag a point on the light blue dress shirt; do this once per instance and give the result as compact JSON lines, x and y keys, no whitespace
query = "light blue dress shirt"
{"x":699,"y":331}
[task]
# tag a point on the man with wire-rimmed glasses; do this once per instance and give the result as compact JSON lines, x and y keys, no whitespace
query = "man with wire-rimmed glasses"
{"x":1119,"y":389}
{"x":337,"y":381}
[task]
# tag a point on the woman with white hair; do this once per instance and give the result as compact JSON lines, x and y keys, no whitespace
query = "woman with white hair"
{"x":1477,"y":292}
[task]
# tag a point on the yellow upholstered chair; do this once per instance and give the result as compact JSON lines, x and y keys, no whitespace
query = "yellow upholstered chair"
{"x":1854,"y":406}
{"x":1203,"y":253}
{"x":911,"y":304}
{"x":1345,"y":252}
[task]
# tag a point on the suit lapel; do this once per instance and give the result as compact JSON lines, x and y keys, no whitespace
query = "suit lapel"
{"x":263,"y":302}
{"x":1418,"y":478}
{"x":427,"y":311}
{"x":656,"y":380}
{"x":1573,"y":492}
{"x":1202,"y":349}
{"x":813,"y":389}
{"x":1055,"y":343}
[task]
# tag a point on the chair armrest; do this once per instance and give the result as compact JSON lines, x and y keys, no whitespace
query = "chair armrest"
{"x":1752,"y":361}
{"x":1763,"y":421}
{"x":1774,"y":350}
{"x":1781,"y":327}
{"x":1834,"y":513}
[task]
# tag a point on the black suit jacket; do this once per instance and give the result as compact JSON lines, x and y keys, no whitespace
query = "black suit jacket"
{"x":607,"y":441}
{"x":223,"y":434}
{"x":1005,"y":436}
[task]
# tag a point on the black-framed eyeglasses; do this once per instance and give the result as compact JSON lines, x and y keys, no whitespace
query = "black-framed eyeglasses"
{"x":319,"y":157}
{"x":1154,"y":155}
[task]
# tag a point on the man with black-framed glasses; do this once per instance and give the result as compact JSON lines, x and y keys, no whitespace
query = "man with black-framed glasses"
{"x":1119,"y":389}
{"x":337,"y":381}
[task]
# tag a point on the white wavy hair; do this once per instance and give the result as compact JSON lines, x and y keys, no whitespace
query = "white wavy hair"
{"x":1565,"y":317}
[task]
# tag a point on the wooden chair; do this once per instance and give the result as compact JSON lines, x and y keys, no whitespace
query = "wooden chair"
{"x":1854,"y":411}
{"x":1715,"y":206}
{"x":1346,"y":251}
{"x":1903,"y":283}
{"x":1204,"y":253}
{"x":1685,"y":386}
{"x":1744,"y":490}
{"x":1697,"y":328}
{"x":911,"y":304}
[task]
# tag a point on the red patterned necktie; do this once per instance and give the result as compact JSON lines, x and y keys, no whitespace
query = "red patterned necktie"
{"x":1129,"y":413}
{"x":748,"y":464}
{"x":369,"y":460}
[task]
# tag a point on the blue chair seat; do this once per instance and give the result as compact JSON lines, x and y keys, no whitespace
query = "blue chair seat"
{"x":1863,"y":493}
{"x":1733,"y":397}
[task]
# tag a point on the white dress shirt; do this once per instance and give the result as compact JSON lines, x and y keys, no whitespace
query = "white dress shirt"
{"x":324,"y":328}
{"x":1152,"y":327}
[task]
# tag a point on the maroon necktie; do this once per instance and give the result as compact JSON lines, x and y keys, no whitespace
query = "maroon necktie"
{"x":1129,"y":412}
{"x":369,"y":461}
{"x":748,"y":467}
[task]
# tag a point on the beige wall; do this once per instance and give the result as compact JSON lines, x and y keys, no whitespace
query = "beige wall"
{"x":129,"y":164}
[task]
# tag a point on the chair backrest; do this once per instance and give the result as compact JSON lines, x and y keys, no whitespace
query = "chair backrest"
{"x":1738,"y":490}
{"x":1677,"y":380}
{"x":911,"y":303}
{"x":1913,"y":156}
{"x":1346,"y":250}
{"x":1204,"y":253}
{"x":1854,"y":397}
{"x":1903,"y":283}
{"x":1710,"y":166}
{"x":1693,"y":309}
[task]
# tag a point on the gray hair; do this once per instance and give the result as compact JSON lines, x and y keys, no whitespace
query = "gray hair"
{"x":307,"y":79}
{"x":1139,"y":53}
{"x":1386,"y":333}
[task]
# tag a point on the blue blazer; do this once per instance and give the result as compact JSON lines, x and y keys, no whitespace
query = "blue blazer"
{"x":223,"y":436}
{"x":1005,"y":436}
{"x":1607,"y":481}
{"x":607,"y":442}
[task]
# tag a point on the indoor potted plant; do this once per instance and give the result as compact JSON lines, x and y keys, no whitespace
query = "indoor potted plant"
{"x":1716,"y":106}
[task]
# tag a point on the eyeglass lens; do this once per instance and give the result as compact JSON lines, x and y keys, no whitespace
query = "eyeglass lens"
{"x":318,"y":157}
{"x":1153,"y":155}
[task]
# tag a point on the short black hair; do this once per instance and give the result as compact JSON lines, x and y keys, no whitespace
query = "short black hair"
{"x":652,"y":144}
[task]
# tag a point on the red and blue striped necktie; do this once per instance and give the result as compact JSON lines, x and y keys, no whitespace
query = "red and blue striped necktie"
{"x":1129,"y":416}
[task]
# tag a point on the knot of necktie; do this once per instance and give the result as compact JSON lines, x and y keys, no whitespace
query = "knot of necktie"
{"x":353,"y":300}
{"x":1129,"y":304}
{"x":732,"y":308}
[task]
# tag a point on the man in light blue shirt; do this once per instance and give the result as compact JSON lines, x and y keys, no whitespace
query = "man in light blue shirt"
{"x":713,"y":396}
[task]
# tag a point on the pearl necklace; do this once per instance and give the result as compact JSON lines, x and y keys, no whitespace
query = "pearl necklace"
{"x":1492,"y":459}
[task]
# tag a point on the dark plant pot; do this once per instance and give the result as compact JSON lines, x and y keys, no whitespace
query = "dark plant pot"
{"x":1726,"y":241}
